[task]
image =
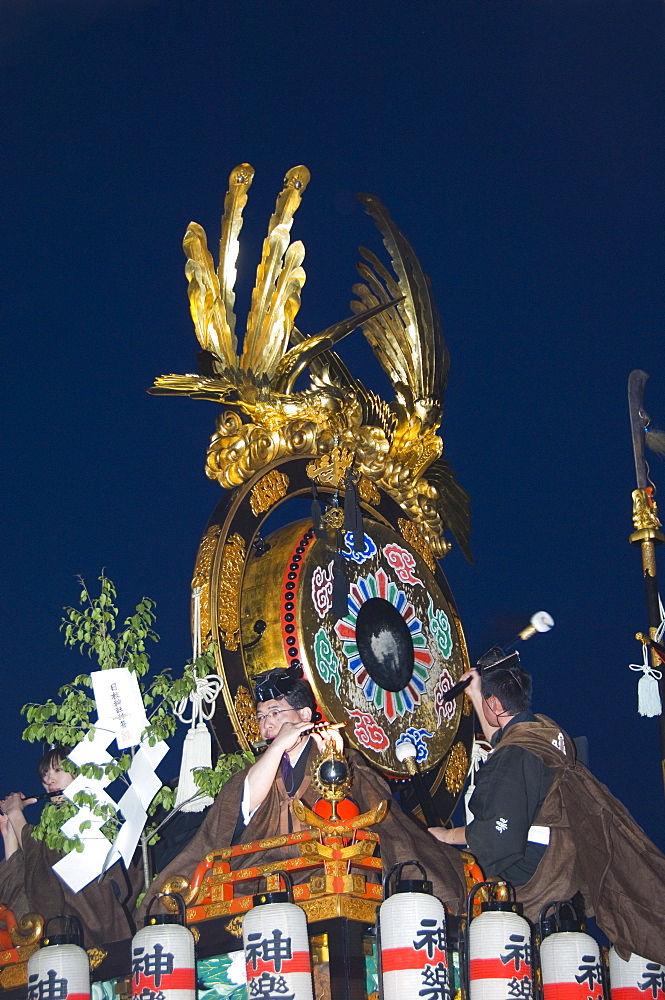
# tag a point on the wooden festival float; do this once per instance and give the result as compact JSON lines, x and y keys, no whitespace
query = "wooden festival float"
{"x":328,"y":538}
{"x":307,"y":454}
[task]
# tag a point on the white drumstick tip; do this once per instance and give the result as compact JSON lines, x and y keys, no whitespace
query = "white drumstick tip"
{"x":542,"y":621}
{"x":404,"y":750}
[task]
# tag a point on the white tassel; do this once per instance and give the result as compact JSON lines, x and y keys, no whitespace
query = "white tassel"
{"x":648,"y":696}
{"x":648,"y":693}
{"x":197,"y":750}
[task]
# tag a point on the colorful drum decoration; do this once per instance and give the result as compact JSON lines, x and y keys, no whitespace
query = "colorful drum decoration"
{"x":276,"y":946}
{"x":263,"y":582}
{"x":385,"y":665}
{"x":60,"y":968}
{"x":163,"y":959}
{"x":412,"y":931}
{"x":569,"y":958}
{"x":636,"y":978}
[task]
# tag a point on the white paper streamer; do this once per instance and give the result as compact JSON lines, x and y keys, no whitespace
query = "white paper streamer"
{"x":134,"y":803}
{"x":480,"y":751}
{"x":121,"y":716}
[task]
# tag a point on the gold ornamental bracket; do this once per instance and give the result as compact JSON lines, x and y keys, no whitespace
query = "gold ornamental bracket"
{"x":28,"y":930}
{"x":344,"y":827}
{"x":331,"y":468}
{"x":645,"y":518}
{"x":25,"y":935}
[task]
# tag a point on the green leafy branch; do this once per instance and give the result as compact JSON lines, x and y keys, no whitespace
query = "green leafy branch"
{"x":67,"y":720}
{"x":211,"y":779}
{"x":208,"y":780}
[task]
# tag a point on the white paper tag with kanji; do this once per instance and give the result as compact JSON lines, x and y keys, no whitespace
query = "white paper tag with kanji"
{"x":120,"y":705}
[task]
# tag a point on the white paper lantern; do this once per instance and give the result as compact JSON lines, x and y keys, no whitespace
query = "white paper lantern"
{"x":499,"y":948}
{"x":276,"y":945}
{"x":636,"y":979}
{"x":163,"y":958}
{"x":412,"y":930}
{"x":60,"y":969}
{"x":569,"y":958}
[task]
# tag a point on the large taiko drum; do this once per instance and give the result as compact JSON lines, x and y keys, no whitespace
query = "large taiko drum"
{"x":382,"y":668}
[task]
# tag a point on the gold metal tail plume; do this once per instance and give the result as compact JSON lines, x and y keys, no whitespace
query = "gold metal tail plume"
{"x":279,"y":278}
{"x":395,"y":444}
{"x":211,"y":294}
{"x":240,"y":182}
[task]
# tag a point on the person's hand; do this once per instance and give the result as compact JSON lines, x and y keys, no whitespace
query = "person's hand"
{"x":456,"y":835}
{"x":474,"y":689}
{"x":441,"y":833}
{"x":290,"y":735}
{"x":328,"y":736}
{"x":9,"y":835}
{"x":15,"y":803}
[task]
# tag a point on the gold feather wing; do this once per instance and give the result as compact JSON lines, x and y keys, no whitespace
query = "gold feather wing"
{"x":408,"y":342}
{"x":205,"y":303}
{"x":240,"y":181}
{"x":452,"y":502}
{"x":279,"y":279}
{"x":307,"y":349}
{"x":211,"y":293}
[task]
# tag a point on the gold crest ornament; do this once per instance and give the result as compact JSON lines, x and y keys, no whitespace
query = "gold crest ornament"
{"x":382,"y":654}
{"x":396,"y":444}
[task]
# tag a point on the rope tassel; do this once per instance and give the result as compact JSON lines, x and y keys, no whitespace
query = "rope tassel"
{"x":649,"y":704}
{"x":197,"y":749}
{"x":196,"y":752}
{"x":353,"y":520}
{"x":316,"y":513}
{"x":340,"y":593}
{"x":648,"y":695}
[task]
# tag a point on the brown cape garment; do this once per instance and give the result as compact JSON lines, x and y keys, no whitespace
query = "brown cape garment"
{"x":401,"y":838}
{"x":595,"y":846}
{"x":28,"y":884}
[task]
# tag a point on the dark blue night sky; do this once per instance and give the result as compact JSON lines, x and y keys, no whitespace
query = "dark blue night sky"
{"x":520,"y":148}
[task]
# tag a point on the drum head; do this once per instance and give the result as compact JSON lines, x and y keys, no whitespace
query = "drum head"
{"x":384,"y":666}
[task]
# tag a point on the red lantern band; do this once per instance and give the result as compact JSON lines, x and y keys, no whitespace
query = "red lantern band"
{"x":299,"y":962}
{"x":399,"y":959}
{"x":179,"y":979}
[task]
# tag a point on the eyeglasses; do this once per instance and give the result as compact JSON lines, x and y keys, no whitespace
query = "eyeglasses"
{"x":272,"y":715}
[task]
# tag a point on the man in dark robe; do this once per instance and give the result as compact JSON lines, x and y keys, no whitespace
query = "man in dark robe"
{"x":257,"y":802}
{"x":543,"y":822}
{"x":28,"y":883}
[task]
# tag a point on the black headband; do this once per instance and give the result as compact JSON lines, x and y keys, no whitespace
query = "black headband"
{"x":275,"y":684}
{"x":497,"y":657}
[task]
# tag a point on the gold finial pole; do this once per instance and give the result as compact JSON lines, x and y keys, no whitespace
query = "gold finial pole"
{"x":647,"y":532}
